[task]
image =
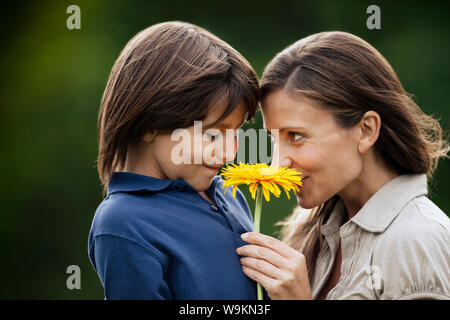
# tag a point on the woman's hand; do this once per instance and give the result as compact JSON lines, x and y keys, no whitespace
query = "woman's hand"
{"x":280,"y":269}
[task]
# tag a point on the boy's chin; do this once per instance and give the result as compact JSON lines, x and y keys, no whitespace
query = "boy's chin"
{"x":202,"y":186}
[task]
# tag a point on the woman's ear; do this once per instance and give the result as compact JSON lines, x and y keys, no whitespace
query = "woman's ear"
{"x":149,"y":137}
{"x":369,"y":125}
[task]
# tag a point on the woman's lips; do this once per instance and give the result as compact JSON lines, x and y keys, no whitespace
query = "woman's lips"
{"x":305,"y":179}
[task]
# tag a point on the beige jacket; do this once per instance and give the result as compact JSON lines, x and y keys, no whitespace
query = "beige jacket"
{"x":396,"y":247}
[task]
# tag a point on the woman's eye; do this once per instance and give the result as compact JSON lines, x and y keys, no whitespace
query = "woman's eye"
{"x":295,"y":137}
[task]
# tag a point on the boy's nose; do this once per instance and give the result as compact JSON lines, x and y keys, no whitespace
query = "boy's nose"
{"x":223,"y":154}
{"x":229,"y":153}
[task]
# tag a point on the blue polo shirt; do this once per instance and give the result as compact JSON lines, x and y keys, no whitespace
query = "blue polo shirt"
{"x":160,"y":239}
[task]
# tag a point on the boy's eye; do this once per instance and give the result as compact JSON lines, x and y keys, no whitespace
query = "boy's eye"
{"x":212,"y":136}
{"x":295,"y":137}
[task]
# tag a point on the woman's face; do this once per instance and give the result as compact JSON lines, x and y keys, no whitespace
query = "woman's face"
{"x":311,"y":141}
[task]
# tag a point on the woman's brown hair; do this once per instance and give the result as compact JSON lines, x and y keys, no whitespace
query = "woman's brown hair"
{"x":349,"y":77}
{"x":167,"y":76}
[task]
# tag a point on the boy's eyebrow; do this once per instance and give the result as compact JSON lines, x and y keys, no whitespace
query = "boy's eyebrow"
{"x":221,"y":125}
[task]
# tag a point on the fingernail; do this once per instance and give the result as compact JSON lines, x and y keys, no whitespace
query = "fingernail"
{"x":244,"y":236}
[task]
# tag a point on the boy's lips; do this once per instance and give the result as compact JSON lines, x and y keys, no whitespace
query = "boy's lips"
{"x":213,"y":169}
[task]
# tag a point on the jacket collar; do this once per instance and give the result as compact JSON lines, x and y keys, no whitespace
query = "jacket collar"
{"x":335,"y":219}
{"x":383,"y":207}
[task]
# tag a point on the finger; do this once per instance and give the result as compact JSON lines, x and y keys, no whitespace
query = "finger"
{"x":262,"y":279}
{"x":263,"y":267}
{"x":269,"y":242}
{"x":263,"y":253}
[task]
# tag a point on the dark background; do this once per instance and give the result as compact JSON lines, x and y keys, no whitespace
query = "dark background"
{"x":52,"y":80}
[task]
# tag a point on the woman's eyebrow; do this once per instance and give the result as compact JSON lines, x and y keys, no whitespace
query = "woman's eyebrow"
{"x":287,"y":129}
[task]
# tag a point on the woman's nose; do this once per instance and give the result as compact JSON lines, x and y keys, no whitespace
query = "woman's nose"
{"x":286,"y":162}
{"x":280,"y":159}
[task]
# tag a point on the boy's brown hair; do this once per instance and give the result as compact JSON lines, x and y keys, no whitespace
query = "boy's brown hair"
{"x":167,"y":76}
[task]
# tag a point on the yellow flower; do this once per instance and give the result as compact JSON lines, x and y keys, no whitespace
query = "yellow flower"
{"x":261,"y":177}
{"x":261,"y":174}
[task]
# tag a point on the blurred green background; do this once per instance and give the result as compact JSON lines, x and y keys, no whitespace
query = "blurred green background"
{"x":52,"y":80}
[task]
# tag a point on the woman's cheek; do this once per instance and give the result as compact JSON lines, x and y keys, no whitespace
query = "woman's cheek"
{"x":309,"y":159}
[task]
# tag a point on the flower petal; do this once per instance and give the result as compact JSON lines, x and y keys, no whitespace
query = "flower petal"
{"x":266,"y":194}
{"x":252,"y":188}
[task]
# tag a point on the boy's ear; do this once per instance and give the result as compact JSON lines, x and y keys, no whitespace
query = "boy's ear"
{"x":149,"y":136}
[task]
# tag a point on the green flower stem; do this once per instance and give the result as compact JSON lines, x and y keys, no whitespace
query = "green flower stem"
{"x":256,"y":228}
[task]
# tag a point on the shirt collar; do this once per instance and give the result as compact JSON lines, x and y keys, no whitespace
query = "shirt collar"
{"x":132,"y":182}
{"x":335,"y":220}
{"x":129,"y":182}
{"x":383,"y":207}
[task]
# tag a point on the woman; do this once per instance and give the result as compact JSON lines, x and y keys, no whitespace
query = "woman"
{"x":366,"y":151}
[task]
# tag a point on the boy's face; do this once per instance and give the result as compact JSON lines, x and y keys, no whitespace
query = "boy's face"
{"x":194,"y":154}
